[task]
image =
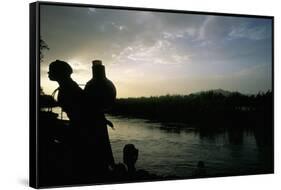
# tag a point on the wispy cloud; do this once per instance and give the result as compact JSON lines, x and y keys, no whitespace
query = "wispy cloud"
{"x":203,"y":30}
{"x":161,"y":52}
{"x":252,"y":33}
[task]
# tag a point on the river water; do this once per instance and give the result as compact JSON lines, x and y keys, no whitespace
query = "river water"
{"x":169,"y":150}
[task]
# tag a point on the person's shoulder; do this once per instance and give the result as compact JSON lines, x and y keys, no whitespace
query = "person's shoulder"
{"x":74,"y":85}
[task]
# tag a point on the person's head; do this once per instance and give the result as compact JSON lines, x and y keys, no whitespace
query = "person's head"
{"x":130,"y":155}
{"x":59,"y":70}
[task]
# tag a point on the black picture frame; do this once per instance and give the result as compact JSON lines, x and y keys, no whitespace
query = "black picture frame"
{"x":35,"y":81}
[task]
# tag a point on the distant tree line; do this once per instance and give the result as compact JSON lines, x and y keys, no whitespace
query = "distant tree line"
{"x":206,"y":109}
{"x":201,"y":109}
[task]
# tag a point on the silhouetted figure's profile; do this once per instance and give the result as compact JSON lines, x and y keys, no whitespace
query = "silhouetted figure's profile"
{"x":70,"y":95}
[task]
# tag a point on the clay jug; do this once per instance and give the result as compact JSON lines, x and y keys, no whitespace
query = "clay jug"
{"x":100,"y":91}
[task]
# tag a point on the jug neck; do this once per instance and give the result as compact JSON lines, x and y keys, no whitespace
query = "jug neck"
{"x":98,"y":70}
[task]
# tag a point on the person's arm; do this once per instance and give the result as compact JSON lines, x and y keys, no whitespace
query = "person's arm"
{"x":109,"y":123}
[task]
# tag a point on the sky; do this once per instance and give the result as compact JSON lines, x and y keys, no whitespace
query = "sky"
{"x":157,"y":53}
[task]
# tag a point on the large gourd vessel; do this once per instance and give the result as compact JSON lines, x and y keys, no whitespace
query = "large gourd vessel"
{"x":100,"y":91}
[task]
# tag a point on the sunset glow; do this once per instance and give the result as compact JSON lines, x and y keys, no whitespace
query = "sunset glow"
{"x":153,"y":53}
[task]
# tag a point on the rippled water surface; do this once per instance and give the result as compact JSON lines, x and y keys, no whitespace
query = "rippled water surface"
{"x":167,"y":150}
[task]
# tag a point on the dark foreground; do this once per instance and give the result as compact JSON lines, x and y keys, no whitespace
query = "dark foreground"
{"x":56,"y":170}
{"x":208,"y":114}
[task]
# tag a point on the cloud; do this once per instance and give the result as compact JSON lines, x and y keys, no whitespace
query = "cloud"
{"x":161,"y":52}
{"x":155,"y":44}
{"x":93,"y":10}
{"x":119,"y":27}
{"x":203,"y":30}
{"x":243,"y":31}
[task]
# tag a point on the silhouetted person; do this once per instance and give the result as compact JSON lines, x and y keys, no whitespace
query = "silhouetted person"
{"x":130,"y":157}
{"x":70,"y":95}
{"x":88,"y":138}
{"x":70,"y":99}
{"x":100,"y":94}
{"x":126,"y":170}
